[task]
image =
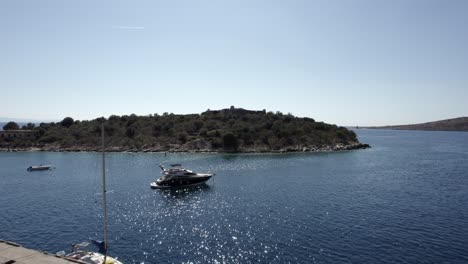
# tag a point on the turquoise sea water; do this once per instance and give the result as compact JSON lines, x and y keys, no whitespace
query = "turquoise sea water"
{"x":405,"y":200}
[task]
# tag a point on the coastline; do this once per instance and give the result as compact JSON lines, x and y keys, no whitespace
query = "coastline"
{"x":181,"y":149}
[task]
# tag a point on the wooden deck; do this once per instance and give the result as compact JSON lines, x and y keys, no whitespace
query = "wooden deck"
{"x":12,"y":253}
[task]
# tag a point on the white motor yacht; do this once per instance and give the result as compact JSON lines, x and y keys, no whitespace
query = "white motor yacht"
{"x":177,"y":177}
{"x":39,"y":168}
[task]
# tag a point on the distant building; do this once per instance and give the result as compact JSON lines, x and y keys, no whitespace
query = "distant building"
{"x":26,"y":134}
{"x":234,"y":111}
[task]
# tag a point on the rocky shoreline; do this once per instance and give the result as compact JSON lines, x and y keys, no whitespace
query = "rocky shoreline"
{"x":182,"y":149}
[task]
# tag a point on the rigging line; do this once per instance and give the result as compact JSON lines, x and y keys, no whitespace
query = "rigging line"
{"x":90,"y":184}
{"x":104,"y":203}
{"x":95,"y":186}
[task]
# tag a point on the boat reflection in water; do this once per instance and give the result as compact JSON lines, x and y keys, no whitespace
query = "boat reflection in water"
{"x":178,"y":177}
{"x":183,"y":193}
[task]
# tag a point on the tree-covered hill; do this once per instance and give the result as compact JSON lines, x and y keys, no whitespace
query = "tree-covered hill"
{"x":227,"y":130}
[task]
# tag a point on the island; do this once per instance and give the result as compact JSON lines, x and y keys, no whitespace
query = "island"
{"x":453,"y":124}
{"x":231,"y":130}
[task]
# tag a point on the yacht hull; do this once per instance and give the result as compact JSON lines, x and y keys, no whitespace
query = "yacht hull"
{"x":39,"y":168}
{"x":180,"y":182}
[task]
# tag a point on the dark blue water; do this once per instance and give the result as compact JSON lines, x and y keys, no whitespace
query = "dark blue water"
{"x":403,"y":201}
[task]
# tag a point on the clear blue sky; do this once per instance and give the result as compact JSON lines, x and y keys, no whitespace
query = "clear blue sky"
{"x":373,"y":62}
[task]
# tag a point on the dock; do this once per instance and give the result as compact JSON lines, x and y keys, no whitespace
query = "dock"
{"x":12,"y":253}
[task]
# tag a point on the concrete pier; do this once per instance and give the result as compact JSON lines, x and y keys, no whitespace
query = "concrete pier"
{"x":12,"y":253}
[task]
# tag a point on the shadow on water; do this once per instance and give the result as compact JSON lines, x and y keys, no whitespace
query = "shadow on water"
{"x":230,"y":156}
{"x":183,"y":192}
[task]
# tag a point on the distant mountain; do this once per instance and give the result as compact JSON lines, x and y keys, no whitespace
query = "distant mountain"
{"x":454,"y":124}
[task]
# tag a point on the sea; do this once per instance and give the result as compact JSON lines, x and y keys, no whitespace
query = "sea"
{"x":405,"y":200}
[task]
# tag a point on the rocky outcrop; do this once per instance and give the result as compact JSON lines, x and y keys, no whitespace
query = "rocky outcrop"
{"x":200,"y":147}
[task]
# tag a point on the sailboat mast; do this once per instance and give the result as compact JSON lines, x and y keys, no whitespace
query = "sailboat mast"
{"x":104,"y":201}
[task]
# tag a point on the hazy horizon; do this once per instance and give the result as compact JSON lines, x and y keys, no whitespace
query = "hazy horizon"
{"x":356,"y":63}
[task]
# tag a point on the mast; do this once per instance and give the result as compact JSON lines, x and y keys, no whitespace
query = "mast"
{"x":104,"y":201}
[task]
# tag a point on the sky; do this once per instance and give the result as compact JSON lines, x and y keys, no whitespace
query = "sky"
{"x":374,"y":62}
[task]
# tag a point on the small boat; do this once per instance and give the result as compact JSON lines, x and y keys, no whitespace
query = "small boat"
{"x":39,"y":168}
{"x":82,"y":253}
{"x":177,"y":177}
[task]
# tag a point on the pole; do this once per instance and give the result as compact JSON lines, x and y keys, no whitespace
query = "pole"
{"x":104,"y":202}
